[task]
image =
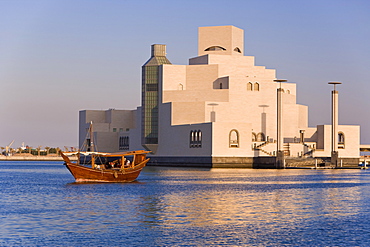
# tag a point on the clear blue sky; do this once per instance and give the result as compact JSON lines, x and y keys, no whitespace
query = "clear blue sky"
{"x":58,"y":56}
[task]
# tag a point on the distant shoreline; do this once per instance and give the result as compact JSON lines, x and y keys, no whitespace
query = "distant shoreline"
{"x":33,"y":158}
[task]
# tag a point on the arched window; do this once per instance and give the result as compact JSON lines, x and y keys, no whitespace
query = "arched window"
{"x":220,"y":85}
{"x":124,"y":143}
{"x":195,"y":139}
{"x":341,"y":140}
{"x":234,"y":139}
{"x":181,"y":87}
{"x":249,"y":86}
{"x":256,"y":86}
{"x":254,"y":137}
{"x":215,"y":48}
{"x":260,"y":137}
{"x":191,"y":139}
{"x":237,"y":50}
{"x":199,"y":139}
{"x":288,"y":91}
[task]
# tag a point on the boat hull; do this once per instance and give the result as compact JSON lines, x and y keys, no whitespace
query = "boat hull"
{"x":86,"y":174}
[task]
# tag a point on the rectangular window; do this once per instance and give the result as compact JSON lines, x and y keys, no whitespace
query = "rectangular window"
{"x":114,"y":129}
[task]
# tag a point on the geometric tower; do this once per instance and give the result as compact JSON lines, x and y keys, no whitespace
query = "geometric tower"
{"x":150,"y":83}
{"x":221,"y":40}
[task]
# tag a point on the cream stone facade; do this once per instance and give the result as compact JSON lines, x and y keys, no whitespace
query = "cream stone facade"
{"x":220,"y":111}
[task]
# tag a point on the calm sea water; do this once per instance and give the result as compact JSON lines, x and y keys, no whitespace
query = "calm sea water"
{"x":42,"y":206}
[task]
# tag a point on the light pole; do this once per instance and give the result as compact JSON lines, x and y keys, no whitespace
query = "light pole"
{"x":213,"y":113}
{"x":280,"y":138}
{"x":334,"y":124}
{"x":264,"y":121}
{"x":301,"y":133}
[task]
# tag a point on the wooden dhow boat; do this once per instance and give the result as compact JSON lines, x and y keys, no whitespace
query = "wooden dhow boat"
{"x":107,"y":167}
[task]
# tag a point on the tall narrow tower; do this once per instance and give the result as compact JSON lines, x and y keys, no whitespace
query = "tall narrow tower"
{"x":150,"y":100}
{"x":334,"y":124}
{"x":280,"y":163}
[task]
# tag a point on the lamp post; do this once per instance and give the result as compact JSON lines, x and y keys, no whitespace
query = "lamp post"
{"x":263,"y":121}
{"x":280,"y":139}
{"x":334,"y":124}
{"x":301,"y":133}
{"x":213,"y":113}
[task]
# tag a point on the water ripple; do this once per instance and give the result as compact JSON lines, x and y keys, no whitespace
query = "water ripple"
{"x":42,"y":206}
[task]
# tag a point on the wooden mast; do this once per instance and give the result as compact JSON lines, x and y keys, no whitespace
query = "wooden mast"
{"x":91,"y":144}
{"x":91,"y":134}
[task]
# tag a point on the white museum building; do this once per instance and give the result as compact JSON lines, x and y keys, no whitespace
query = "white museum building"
{"x":221,"y":110}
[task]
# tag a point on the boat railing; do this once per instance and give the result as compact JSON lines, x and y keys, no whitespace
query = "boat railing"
{"x":104,"y":161}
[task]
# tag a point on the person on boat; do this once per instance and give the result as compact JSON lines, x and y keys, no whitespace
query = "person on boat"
{"x":126,"y":163}
{"x":114,"y":164}
{"x":98,"y":167}
{"x":117,"y":164}
{"x":107,"y":165}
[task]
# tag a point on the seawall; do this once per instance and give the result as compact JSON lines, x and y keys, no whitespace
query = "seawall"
{"x":246,"y":162}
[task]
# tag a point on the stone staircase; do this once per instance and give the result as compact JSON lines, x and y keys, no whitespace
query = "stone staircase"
{"x":309,"y":152}
{"x":261,"y":145}
{"x":260,"y":148}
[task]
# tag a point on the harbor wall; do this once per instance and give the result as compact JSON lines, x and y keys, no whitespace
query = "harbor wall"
{"x":245,"y":162}
{"x":213,"y":162}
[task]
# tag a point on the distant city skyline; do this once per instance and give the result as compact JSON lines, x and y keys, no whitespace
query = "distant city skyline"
{"x":57,"y":56}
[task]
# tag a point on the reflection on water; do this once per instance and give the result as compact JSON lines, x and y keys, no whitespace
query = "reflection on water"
{"x":41,"y":205}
